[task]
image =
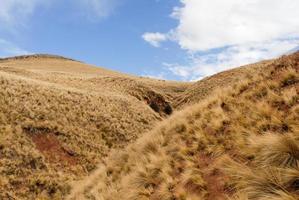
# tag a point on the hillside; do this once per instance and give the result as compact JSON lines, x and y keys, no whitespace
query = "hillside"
{"x":239,"y":143}
{"x":69,"y":127}
{"x":60,"y":117}
{"x":202,"y":89}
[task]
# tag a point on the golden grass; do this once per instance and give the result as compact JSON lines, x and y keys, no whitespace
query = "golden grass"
{"x":70,"y":130}
{"x":59,"y":118}
{"x":240,"y":143}
{"x":202,"y":89}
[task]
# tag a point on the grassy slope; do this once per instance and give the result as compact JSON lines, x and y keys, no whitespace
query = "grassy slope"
{"x":202,"y":89}
{"x":59,"y":118}
{"x":240,"y":143}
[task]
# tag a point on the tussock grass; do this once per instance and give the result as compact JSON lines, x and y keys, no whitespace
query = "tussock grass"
{"x":59,"y":118}
{"x":62,"y":120}
{"x":239,"y":143}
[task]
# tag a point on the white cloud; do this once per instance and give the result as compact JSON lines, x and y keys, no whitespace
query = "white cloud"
{"x":17,"y":12}
{"x":207,"y":24}
{"x":178,"y":70}
{"x":160,"y":76}
{"x":208,"y":64}
{"x":237,"y":32}
{"x":9,"y":49}
{"x":97,"y":9}
{"x":155,"y":38}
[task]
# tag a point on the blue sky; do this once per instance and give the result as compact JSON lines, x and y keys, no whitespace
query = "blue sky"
{"x":168,"y":39}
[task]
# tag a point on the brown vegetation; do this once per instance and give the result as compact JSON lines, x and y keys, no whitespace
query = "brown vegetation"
{"x":59,"y":118}
{"x":70,"y":130}
{"x":240,"y":143}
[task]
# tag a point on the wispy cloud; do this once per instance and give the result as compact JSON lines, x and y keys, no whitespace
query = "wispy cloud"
{"x":202,"y":65}
{"x":17,"y":12}
{"x":154,"y":39}
{"x":221,"y":34}
{"x":9,"y":49}
{"x":95,"y":10}
{"x":160,"y":76}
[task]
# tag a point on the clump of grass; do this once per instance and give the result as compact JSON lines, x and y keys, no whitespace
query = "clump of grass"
{"x":289,"y":78}
{"x":276,"y":150}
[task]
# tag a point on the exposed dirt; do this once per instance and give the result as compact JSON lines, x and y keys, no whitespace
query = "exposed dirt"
{"x":48,"y":144}
{"x":214,"y":178}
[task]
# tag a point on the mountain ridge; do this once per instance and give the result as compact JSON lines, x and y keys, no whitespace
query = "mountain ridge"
{"x":30,"y":56}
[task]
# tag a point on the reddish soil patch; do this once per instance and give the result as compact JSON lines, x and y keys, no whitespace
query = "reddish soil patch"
{"x":48,"y":144}
{"x":214,"y":178}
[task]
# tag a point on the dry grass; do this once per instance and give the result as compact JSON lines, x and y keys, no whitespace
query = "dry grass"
{"x":202,"y":89}
{"x":59,"y":118}
{"x":62,"y":120}
{"x":241,"y":143}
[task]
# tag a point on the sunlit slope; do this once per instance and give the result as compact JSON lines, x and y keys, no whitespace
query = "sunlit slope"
{"x":59,"y":118}
{"x":70,"y":73}
{"x":240,"y":143}
{"x":202,"y":89}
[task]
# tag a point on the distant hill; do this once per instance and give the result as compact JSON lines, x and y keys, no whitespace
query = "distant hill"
{"x":72,"y":130}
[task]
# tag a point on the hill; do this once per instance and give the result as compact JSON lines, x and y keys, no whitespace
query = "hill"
{"x":202,"y":89}
{"x":239,"y":143}
{"x":69,"y":127}
{"x":60,"y":117}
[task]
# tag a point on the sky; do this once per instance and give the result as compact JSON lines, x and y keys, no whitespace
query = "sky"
{"x":182,"y":40}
